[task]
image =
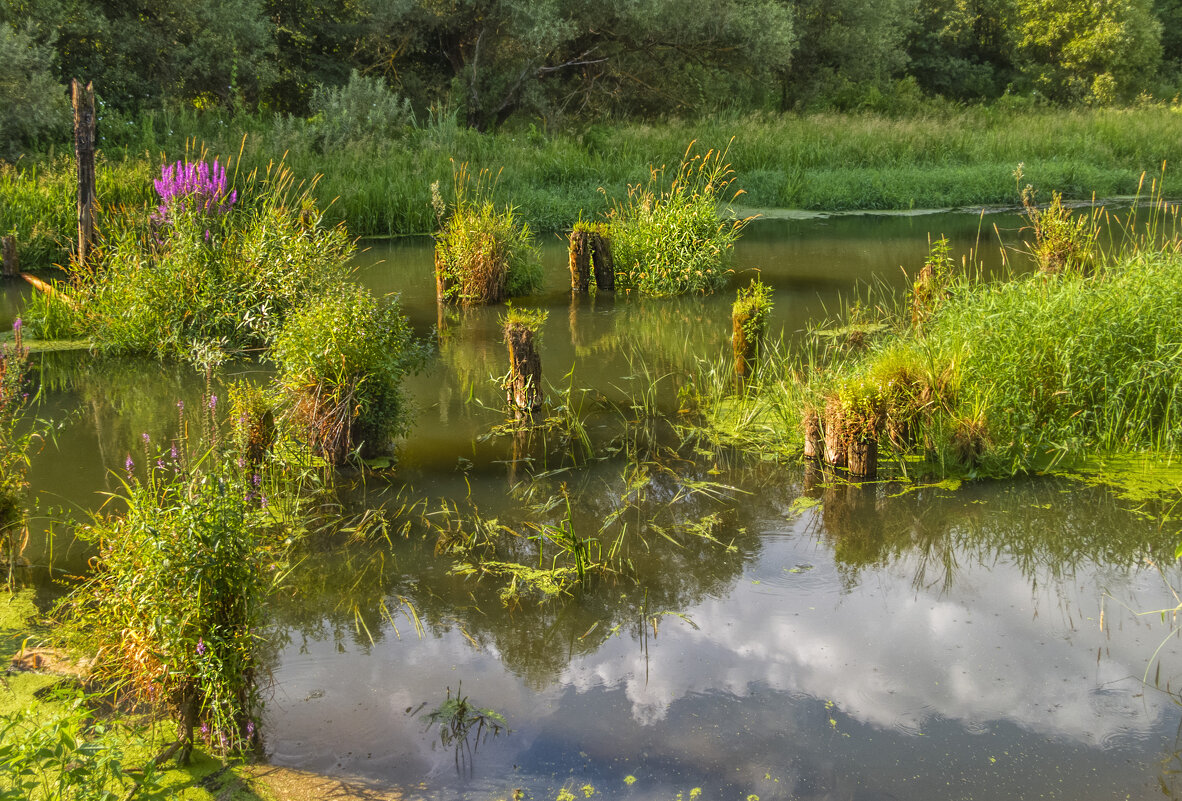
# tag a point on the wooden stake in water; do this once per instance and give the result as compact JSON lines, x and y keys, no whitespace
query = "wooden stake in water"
{"x":863,"y":456}
{"x":83,"y":101}
{"x":590,"y":249}
{"x":814,"y":442}
{"x":524,"y":386}
{"x":836,"y":449}
{"x":580,"y":259}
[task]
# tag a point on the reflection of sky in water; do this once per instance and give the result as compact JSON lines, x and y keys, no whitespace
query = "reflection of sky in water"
{"x":779,"y":678}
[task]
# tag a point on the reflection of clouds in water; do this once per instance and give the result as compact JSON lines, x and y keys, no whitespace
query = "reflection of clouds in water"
{"x":893,"y":656}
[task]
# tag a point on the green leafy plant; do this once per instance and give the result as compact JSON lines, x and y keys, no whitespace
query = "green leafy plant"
{"x":172,"y":606}
{"x":464,"y":726}
{"x":341,"y":361}
{"x":749,"y":316}
{"x":672,"y":240}
{"x":192,"y":277}
{"x":59,"y":749}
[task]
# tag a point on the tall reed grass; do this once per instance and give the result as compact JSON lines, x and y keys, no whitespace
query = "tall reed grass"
{"x":1008,"y":376}
{"x":963,"y":156}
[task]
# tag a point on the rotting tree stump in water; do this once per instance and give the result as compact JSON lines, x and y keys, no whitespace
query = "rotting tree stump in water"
{"x":83,"y":102}
{"x":862,"y":456}
{"x":524,"y":386}
{"x":603,"y":262}
{"x":590,"y":250}
{"x":11,"y":264}
{"x":580,"y":259}
{"x":836,"y":447}
{"x":814,"y":441}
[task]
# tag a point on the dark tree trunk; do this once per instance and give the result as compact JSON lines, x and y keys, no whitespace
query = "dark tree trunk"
{"x":83,"y":101}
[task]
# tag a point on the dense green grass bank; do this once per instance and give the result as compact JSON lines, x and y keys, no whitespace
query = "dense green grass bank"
{"x":822,"y":162}
{"x":966,"y":376}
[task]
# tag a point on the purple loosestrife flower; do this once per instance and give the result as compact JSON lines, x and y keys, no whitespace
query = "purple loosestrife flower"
{"x":213,"y":402}
{"x":129,"y":465}
{"x":16,"y":325}
{"x":146,"y":438}
{"x":250,"y":728}
{"x":200,"y":647}
{"x":180,"y":405}
{"x":195,"y":185}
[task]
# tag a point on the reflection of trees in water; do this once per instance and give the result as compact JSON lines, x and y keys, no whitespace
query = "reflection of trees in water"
{"x":121,"y":398}
{"x":349,"y":594}
{"x":1046,"y":527}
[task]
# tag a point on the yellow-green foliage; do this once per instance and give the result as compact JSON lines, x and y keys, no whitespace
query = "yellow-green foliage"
{"x":672,"y":240}
{"x":482,"y":254}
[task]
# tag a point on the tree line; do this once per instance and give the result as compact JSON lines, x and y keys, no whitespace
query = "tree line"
{"x":487,"y":61}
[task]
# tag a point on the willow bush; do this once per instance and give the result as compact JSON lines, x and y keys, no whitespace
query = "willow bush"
{"x":341,"y":360}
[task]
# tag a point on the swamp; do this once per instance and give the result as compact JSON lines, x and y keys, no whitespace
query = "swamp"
{"x":641,"y":590}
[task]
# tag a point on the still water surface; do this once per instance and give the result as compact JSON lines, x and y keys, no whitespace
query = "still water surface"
{"x":983,"y":643}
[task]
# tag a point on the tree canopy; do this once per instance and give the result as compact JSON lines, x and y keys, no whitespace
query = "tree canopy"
{"x":486,"y":61}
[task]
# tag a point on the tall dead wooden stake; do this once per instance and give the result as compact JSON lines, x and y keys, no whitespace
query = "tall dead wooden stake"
{"x":83,"y":100}
{"x":12,"y":267}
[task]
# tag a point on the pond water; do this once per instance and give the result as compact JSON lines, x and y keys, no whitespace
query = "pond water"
{"x":880,"y":642}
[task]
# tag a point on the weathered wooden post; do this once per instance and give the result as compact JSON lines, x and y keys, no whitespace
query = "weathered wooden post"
{"x":580,"y":258}
{"x":862,"y":455}
{"x":749,"y":318}
{"x":604,"y":263}
{"x":524,"y":384}
{"x":11,"y":264}
{"x":836,"y":448}
{"x":83,"y":101}
{"x":814,"y":441}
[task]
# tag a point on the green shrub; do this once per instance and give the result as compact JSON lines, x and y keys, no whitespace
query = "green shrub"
{"x":482,"y":255}
{"x":32,"y":104}
{"x":172,"y":605}
{"x":672,"y":241}
{"x":362,"y":112}
{"x":341,"y":361}
{"x":193,"y":277}
{"x":61,"y":750}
